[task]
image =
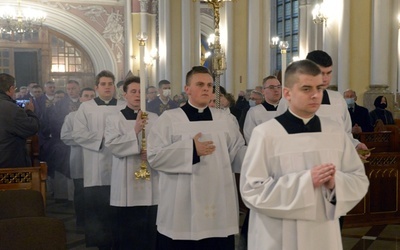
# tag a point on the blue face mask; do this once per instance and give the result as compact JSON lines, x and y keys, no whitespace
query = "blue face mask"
{"x":350,"y":101}
{"x":252,"y":103}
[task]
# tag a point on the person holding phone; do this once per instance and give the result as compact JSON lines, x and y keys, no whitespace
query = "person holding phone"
{"x":16,"y":125}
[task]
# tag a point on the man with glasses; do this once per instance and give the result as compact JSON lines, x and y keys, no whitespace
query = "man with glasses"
{"x":272,"y":91}
{"x":151,"y":93}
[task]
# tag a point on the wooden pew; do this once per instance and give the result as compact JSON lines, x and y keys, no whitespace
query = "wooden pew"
{"x":25,"y":178}
{"x":382,"y":201}
{"x":382,"y":141}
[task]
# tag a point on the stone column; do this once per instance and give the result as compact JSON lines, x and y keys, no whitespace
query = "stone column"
{"x":226,"y":29}
{"x":164,"y":40}
{"x":380,"y":56}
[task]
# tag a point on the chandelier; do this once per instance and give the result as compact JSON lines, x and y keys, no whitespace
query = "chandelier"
{"x":19,"y":21}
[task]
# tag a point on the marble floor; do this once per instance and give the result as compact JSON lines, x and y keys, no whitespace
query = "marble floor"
{"x":383,"y":237}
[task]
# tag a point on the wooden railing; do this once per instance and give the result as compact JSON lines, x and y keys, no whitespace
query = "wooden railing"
{"x":381,"y":203}
{"x":25,"y":178}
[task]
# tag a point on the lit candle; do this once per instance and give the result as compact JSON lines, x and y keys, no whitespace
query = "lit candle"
{"x":142,"y":80}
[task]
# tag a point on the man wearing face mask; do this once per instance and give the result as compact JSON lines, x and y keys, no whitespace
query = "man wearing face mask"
{"x":272,"y":91}
{"x":360,"y":120}
{"x":163,"y":101}
{"x":380,"y":112}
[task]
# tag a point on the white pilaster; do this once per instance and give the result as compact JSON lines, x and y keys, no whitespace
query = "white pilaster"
{"x":380,"y":42}
{"x":187,"y":38}
{"x":343,"y":48}
{"x":253,"y":56}
{"x":226,"y":29}
{"x":164,"y":40}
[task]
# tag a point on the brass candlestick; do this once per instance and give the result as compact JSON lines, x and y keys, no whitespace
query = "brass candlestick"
{"x":143,"y":173}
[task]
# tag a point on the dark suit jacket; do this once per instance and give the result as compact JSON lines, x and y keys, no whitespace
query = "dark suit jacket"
{"x":360,"y":115}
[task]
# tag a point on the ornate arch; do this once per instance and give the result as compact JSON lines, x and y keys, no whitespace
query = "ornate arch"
{"x":85,"y":35}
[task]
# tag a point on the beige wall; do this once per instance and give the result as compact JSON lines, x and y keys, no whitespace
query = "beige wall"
{"x":240,"y":45}
{"x":360,"y":46}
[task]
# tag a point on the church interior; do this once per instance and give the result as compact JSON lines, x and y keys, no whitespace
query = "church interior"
{"x":241,"y":42}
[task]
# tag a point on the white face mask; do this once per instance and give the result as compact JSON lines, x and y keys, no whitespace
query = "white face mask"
{"x":252,"y":103}
{"x":166,"y":92}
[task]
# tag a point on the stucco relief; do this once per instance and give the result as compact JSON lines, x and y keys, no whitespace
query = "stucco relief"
{"x":107,"y":20}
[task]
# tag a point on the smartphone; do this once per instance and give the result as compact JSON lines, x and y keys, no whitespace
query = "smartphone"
{"x":22,"y":103}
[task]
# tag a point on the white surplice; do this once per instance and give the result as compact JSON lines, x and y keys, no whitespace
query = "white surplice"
{"x":255,"y":116}
{"x":337,"y":110}
{"x":196,"y":201}
{"x":286,"y":211}
{"x":76,"y":155}
{"x":120,"y":138}
{"x":89,"y":125}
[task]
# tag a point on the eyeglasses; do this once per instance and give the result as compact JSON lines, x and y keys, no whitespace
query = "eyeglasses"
{"x":272,"y":87}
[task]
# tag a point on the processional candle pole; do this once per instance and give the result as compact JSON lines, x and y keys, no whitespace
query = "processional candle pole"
{"x":283,"y":45}
{"x":143,"y":172}
{"x":218,"y":57}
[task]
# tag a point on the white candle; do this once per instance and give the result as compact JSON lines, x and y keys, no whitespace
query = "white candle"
{"x":142,"y":80}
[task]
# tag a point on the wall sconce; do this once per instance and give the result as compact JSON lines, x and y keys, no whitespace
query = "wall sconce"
{"x":151,"y":57}
{"x":274,"y":42}
{"x":283,"y":45}
{"x":142,"y":38}
{"x":319,"y":14}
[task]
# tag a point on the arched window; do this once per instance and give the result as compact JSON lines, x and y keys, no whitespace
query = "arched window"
{"x":69,"y":61}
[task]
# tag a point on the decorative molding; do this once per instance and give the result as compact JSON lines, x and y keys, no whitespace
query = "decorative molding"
{"x":109,"y":23}
{"x":144,"y":5}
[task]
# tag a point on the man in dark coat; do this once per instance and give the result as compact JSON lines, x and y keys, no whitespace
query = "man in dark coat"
{"x":16,"y":125}
{"x":360,"y":120}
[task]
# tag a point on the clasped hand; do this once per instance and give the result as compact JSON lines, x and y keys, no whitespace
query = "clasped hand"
{"x":203,"y":147}
{"x":324,"y":174}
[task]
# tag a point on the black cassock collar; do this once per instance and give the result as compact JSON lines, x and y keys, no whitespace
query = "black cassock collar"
{"x":325,"y":98}
{"x":129,"y":113}
{"x":195,"y":115}
{"x":112,"y":102}
{"x":294,"y":125}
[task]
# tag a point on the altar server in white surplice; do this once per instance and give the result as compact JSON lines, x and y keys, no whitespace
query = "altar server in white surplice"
{"x":195,"y":149}
{"x":272,"y":91}
{"x":301,"y":172}
{"x":135,"y":199}
{"x":88,"y":132}
{"x":333,"y":104}
{"x":76,"y":158}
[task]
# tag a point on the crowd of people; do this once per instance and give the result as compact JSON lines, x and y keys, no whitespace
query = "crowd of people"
{"x":293,"y":146}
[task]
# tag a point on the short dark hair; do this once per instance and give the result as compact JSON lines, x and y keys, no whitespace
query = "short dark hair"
{"x":196,"y":70}
{"x":73,"y":81}
{"x":6,"y":81}
{"x":149,"y":87}
{"x":36,"y":86}
{"x":104,"y":73}
{"x":60,"y":92}
{"x":85,"y":89}
{"x":49,"y":83}
{"x":268,"y":77}
{"x":130,"y":80}
{"x":162,"y":82}
{"x":320,"y":57}
{"x":302,"y":67}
